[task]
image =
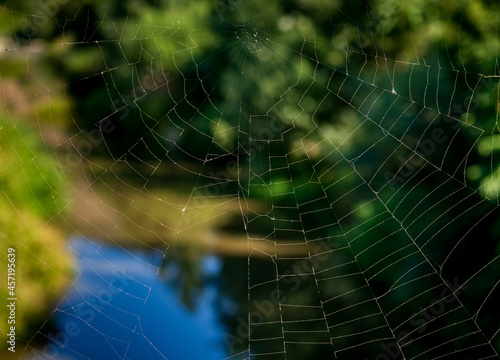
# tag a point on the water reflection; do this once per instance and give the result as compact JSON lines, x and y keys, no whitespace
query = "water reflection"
{"x":119,"y":307}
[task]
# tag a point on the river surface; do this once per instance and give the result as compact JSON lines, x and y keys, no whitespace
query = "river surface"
{"x":120,"y":308}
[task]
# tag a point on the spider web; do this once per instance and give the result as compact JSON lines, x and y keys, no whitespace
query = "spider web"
{"x":361,"y":258}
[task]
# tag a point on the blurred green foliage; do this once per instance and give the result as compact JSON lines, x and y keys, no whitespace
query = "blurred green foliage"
{"x":33,"y":192}
{"x":29,"y":175}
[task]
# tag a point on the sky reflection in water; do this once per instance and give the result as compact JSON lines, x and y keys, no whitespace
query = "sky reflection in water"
{"x":120,"y":308}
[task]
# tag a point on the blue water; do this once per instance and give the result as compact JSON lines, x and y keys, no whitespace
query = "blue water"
{"x":119,"y":308}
